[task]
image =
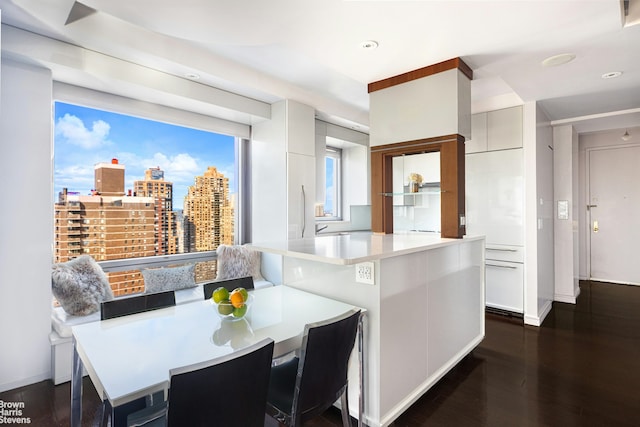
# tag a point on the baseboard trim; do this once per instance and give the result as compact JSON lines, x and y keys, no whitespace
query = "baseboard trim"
{"x":25,"y":381}
{"x":537,"y":320}
{"x":569,"y":299}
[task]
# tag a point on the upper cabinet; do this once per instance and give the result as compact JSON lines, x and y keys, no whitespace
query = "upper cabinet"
{"x":495,"y":130}
{"x":478,"y":141}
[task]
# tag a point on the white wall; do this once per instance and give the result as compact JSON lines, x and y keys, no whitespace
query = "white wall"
{"x":538,"y":159}
{"x":269,"y":177}
{"x":585,"y":142}
{"x":355,"y":177}
{"x":565,"y":171}
{"x":356,"y":181}
{"x":436,"y":105}
{"x":26,"y":224}
{"x":544,"y":178}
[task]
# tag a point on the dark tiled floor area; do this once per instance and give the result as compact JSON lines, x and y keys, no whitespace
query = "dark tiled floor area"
{"x":580,"y":368}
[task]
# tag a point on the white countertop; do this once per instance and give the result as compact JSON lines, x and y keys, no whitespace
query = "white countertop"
{"x":357,"y":247}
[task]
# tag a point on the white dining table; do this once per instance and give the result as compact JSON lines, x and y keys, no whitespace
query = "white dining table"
{"x":130,"y":357}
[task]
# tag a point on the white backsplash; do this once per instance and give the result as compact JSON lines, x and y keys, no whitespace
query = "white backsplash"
{"x":421,"y":215}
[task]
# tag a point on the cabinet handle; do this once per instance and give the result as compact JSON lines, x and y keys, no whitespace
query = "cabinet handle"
{"x":304,"y":208}
{"x":502,"y":250}
{"x":501,"y":266}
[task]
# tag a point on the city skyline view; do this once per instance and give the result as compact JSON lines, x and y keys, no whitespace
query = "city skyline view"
{"x":85,"y":136}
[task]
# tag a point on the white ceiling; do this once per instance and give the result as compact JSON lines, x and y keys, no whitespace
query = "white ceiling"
{"x":309,"y":50}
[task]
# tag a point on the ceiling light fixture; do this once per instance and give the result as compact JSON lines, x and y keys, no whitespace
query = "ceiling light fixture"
{"x":369,"y":44}
{"x":626,"y":136}
{"x":612,"y":75}
{"x":192,"y":76}
{"x":556,"y":60}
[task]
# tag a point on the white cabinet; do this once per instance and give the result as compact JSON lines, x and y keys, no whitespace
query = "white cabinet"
{"x":494,"y":189}
{"x":495,"y":208}
{"x":504,"y":129}
{"x":495,"y":130}
{"x":504,"y":285}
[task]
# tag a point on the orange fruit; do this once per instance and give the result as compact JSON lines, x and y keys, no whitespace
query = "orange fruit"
{"x":236,"y":298}
{"x":244,"y":293}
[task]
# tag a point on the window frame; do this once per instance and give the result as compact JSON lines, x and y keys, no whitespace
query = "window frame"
{"x":334,"y":153}
{"x":70,"y":94}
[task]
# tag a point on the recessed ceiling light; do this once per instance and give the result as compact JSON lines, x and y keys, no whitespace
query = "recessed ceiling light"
{"x":192,"y":76}
{"x":612,"y":75}
{"x":369,"y":44}
{"x":556,"y":60}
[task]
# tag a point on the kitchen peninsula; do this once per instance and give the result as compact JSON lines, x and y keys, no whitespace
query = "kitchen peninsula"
{"x":424,"y":297}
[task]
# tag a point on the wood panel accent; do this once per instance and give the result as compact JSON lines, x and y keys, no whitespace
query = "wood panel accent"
{"x":422,"y":72}
{"x":452,"y":187}
{"x":451,"y":148}
{"x":381,"y":182}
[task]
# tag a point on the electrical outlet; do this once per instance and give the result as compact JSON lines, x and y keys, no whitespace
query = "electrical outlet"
{"x":365,"y":273}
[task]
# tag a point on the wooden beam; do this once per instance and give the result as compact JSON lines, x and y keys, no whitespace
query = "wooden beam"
{"x":422,"y":72}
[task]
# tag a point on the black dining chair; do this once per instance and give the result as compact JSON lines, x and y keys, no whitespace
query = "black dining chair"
{"x":229,"y":284}
{"x":229,"y":391}
{"x":124,"y":307}
{"x":306,"y":386}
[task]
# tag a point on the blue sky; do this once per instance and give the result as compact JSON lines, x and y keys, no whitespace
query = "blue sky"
{"x":85,"y":136}
{"x":328,"y":201}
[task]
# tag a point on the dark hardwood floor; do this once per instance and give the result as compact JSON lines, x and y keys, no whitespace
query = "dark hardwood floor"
{"x":580,"y":368}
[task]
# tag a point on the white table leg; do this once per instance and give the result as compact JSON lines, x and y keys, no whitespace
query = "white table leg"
{"x":76,"y":388}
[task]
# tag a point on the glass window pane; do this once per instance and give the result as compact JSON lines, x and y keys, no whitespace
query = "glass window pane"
{"x":128,"y":187}
{"x":332,"y":202}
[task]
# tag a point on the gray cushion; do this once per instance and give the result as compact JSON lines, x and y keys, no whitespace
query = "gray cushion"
{"x":238,"y":261}
{"x":80,"y":285}
{"x":169,"y":279}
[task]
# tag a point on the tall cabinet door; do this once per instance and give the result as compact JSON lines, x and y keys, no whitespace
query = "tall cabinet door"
{"x":495,"y":196}
{"x":301,"y":184}
{"x":495,"y":208}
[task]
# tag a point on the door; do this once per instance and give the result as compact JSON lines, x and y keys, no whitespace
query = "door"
{"x":614,"y":208}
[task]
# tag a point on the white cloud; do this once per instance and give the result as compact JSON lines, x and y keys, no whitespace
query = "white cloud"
{"x":178,"y":168}
{"x":73,"y":131}
{"x":74,"y":178}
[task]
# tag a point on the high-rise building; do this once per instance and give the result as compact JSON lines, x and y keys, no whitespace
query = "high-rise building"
{"x":179,"y":217}
{"x":208,"y":213}
{"x":106,"y":225}
{"x":155,"y":186}
{"x":109,"y":178}
{"x":208,"y":217}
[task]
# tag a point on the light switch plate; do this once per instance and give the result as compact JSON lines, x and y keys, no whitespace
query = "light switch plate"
{"x":365,"y":273}
{"x":563,"y":209}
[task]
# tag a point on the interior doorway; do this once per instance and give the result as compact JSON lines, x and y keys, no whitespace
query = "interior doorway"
{"x":613,"y":209}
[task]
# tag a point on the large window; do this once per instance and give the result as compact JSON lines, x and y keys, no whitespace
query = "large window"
{"x":128,"y":188}
{"x":332,"y":200}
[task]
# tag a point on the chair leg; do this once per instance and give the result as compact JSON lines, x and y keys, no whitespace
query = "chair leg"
{"x":107,"y":413}
{"x":344,"y":403}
